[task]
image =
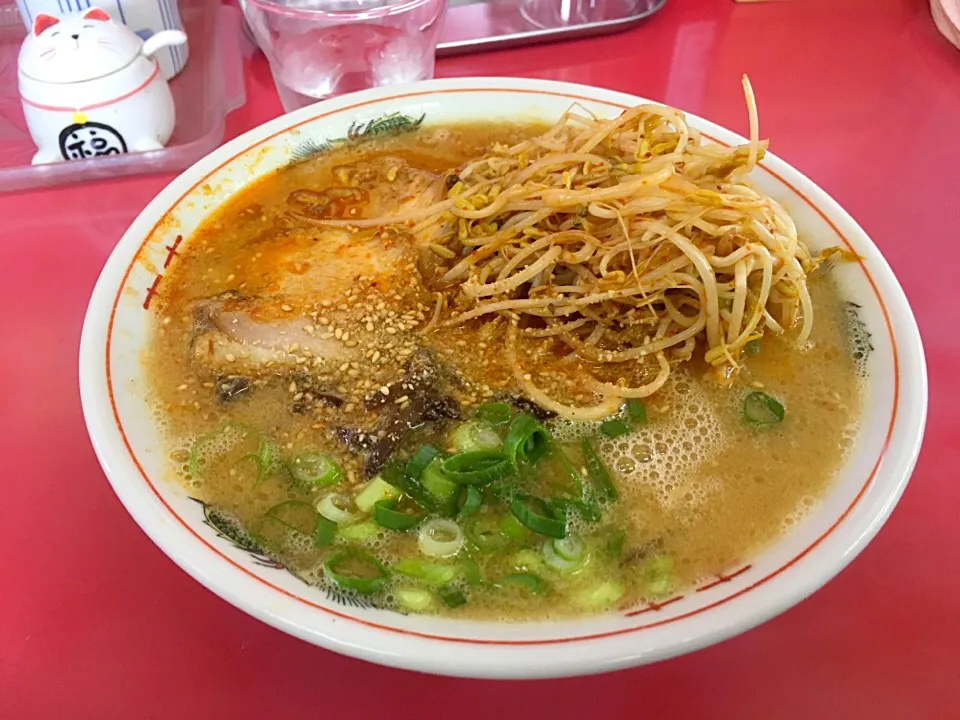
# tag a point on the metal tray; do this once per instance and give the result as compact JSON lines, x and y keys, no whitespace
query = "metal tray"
{"x":476,"y":25}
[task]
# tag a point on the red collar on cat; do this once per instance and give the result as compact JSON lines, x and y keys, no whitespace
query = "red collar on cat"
{"x":105,"y":103}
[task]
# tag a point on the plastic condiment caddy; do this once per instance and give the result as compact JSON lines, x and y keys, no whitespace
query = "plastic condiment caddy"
{"x":209,"y":88}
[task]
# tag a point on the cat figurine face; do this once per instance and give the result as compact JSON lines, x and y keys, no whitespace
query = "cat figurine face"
{"x":77,"y":47}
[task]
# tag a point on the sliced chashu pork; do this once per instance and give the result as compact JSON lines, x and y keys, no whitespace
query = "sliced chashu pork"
{"x":269,"y":326}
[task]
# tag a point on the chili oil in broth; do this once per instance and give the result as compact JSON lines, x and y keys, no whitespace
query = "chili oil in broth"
{"x":700,"y":490}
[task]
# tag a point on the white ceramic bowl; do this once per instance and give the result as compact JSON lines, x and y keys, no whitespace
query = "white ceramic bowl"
{"x":130,"y":449}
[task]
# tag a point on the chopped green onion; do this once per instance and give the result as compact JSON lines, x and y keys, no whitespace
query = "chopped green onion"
{"x":614,"y":545}
{"x":586,"y":509}
{"x":568,"y":555}
{"x":435,"y":482}
{"x":471,"y":571}
{"x":395,"y":474}
{"x":494,"y":413}
{"x":414,"y":599}
{"x":356,"y":570}
{"x":388,"y":517}
{"x":483,"y":532}
{"x":359,"y":532}
{"x":265,"y":458}
{"x":539,"y":517}
{"x":336,"y":508}
{"x":473,"y":435}
{"x":418,"y":463}
{"x":440,"y":537}
{"x":314,"y":469}
{"x":601,"y":596}
{"x":657,"y":573}
{"x":527,"y":581}
{"x":325,"y":533}
{"x":762,"y":409}
{"x":637,"y":411}
{"x":298,"y":516}
{"x":599,"y":475}
{"x":752,"y":347}
{"x":527,"y":441}
{"x":527,"y":560}
{"x":428,"y":572}
{"x":569,"y":548}
{"x":614,"y":428}
{"x":512,"y":528}
{"x":468,"y":502}
{"x":452,"y":597}
{"x":373,"y":492}
{"x":477,"y":468}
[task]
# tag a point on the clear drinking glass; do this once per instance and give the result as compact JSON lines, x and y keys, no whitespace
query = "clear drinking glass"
{"x":319,"y":48}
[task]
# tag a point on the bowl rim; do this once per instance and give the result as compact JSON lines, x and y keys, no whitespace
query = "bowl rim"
{"x":93,"y":367}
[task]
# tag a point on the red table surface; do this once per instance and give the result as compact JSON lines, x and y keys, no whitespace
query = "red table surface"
{"x":95,"y":622}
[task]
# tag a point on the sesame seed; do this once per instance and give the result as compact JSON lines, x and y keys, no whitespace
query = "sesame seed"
{"x":286,"y":308}
{"x":344,"y":367}
{"x":230,"y":357}
{"x":385,"y":390}
{"x":182,"y":387}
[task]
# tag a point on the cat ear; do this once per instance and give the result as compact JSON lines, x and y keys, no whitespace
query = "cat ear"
{"x":41,"y":22}
{"x":95,"y":14}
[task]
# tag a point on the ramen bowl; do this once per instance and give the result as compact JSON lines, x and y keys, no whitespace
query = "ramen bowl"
{"x":130,"y":445}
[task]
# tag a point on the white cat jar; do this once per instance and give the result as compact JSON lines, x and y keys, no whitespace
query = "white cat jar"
{"x":90,"y":87}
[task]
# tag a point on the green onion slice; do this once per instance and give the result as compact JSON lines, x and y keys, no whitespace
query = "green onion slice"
{"x":436,"y":482}
{"x":387,"y":516}
{"x":536,"y":515}
{"x":265,"y":458}
{"x":394,"y":474}
{"x":336,"y":508}
{"x":567,"y":555}
{"x":483,"y":532}
{"x":527,"y":440}
{"x":418,"y":463}
{"x":614,"y":428}
{"x":494,"y":413}
{"x":471,"y":571}
{"x":325,"y":533}
{"x":761,"y":409}
{"x":512,"y":528}
{"x":469,"y":501}
{"x":452,"y":596}
{"x":637,"y":411}
{"x":360,"y":532}
{"x":528,"y":581}
{"x":431,"y":573}
{"x":752,"y":347}
{"x":474,"y":435}
{"x":356,"y":570}
{"x":598,"y":473}
{"x":315,"y":470}
{"x":440,"y":537}
{"x":414,"y":599}
{"x":477,"y":468}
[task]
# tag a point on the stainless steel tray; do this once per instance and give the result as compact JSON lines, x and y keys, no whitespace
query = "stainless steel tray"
{"x":476,"y":25}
